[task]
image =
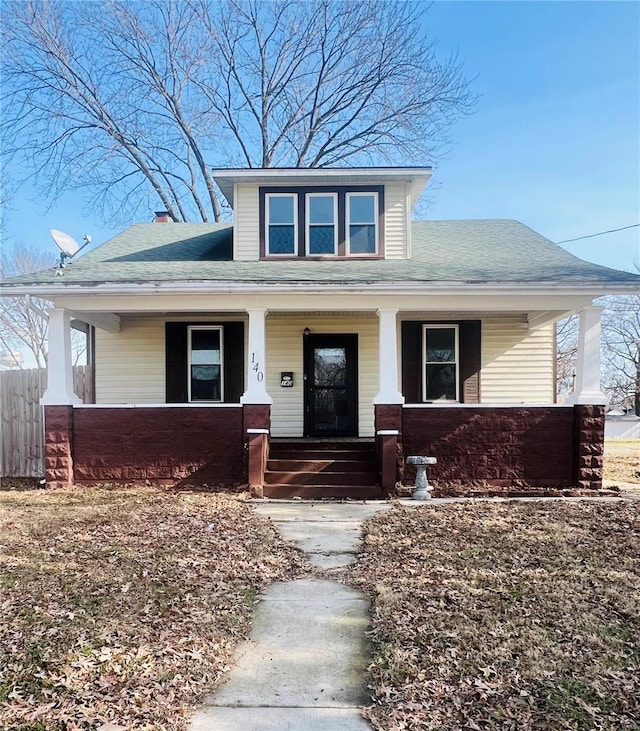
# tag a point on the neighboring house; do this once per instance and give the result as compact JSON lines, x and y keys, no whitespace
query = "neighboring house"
{"x":324,"y":312}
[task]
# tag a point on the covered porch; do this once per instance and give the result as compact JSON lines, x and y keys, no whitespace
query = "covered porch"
{"x":313,"y":366}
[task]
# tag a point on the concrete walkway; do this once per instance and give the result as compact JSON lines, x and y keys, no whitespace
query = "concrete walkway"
{"x":304,"y":666}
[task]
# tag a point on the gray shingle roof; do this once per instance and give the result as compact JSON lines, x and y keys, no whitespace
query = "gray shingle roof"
{"x":473,"y":251}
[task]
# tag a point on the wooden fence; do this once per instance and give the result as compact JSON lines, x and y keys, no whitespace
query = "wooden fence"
{"x":22,"y":439}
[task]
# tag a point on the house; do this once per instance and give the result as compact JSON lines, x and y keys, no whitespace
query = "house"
{"x":310,"y":346}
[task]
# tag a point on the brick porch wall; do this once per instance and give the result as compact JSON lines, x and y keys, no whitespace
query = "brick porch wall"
{"x":159,"y":444}
{"x":504,"y":447}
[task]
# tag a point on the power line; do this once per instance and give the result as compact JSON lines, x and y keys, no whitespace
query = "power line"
{"x":601,"y":233}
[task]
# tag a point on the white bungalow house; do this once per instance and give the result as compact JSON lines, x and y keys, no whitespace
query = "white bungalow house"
{"x":310,"y":346}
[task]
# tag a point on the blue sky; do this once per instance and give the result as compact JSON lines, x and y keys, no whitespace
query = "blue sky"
{"x":554,"y":142}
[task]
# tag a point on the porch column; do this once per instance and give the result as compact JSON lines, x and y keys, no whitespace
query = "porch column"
{"x":59,"y":364}
{"x":256,"y":392}
{"x":587,"y":388}
{"x":388,"y":359}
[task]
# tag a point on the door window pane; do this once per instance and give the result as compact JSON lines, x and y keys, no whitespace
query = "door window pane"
{"x":205,"y":364}
{"x":329,"y":367}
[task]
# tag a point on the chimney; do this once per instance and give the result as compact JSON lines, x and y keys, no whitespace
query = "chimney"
{"x":163,"y":217}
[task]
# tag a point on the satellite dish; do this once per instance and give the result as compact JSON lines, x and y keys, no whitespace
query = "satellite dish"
{"x":68,"y":246}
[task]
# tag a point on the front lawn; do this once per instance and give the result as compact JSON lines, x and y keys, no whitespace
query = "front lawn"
{"x":509,"y":616}
{"x":124,"y":605}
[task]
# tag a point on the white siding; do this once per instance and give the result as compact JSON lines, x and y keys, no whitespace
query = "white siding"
{"x":130,"y":363}
{"x":284,"y":353}
{"x":247,"y":224}
{"x":395,"y":235}
{"x":517,"y":363}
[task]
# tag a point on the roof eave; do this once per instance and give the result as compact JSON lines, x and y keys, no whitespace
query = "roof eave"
{"x":416,"y":177}
{"x":357,"y":287}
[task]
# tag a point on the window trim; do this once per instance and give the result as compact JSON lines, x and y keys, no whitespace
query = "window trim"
{"x":347,"y":222}
{"x":267,"y":224}
{"x":308,"y":225}
{"x":190,"y":330}
{"x":300,"y":191}
{"x":425,"y":363}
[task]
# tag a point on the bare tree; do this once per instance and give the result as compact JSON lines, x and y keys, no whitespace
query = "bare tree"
{"x":621,"y":352}
{"x":566,"y":336}
{"x":23,"y":321}
{"x":135,"y":102}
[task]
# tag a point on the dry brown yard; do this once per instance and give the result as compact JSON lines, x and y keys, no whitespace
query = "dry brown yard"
{"x":124,"y":605}
{"x":505,"y":616}
{"x":622,"y":460}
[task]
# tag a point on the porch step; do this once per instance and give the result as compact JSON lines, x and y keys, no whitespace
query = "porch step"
{"x":322,"y":455}
{"x":320,"y":465}
{"x":322,"y":468}
{"x":320,"y":478}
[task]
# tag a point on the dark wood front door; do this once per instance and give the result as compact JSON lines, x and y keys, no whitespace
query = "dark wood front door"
{"x":331,"y":385}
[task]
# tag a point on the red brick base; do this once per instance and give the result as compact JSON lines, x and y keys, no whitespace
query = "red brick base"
{"x":200,"y":446}
{"x":589,"y":446}
{"x":58,"y":443}
{"x":507,"y":447}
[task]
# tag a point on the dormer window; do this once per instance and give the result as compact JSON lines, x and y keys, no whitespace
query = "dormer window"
{"x":321,"y":222}
{"x":362,"y":223}
{"x":281,"y":224}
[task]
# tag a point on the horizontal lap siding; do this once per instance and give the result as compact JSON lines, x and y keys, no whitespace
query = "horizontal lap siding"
{"x":395,"y":199}
{"x":247,"y":224}
{"x":130,"y":364}
{"x":284,"y":353}
{"x":517,"y":363}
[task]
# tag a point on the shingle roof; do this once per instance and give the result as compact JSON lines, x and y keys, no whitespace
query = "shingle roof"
{"x":473,"y":251}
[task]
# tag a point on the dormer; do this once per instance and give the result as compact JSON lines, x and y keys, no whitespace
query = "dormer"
{"x":294,"y":214}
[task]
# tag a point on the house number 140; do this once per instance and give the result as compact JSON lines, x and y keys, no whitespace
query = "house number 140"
{"x":255,"y":366}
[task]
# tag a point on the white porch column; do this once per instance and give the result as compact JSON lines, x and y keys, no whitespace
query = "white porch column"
{"x":388,"y":359}
{"x":587,"y":388}
{"x":59,"y":364}
{"x":256,"y":392}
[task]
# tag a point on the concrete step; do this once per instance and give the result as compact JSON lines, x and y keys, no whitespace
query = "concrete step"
{"x":320,"y":492}
{"x":280,"y":477}
{"x":320,"y":465}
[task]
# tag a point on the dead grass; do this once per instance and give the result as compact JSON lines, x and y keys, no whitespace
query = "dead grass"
{"x":123,"y":606}
{"x":515,"y":616}
{"x":622,"y":460}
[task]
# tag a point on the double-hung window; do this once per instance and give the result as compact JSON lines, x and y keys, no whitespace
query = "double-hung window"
{"x":362,"y":223}
{"x":441,"y":363}
{"x":322,"y":224}
{"x":205,"y":363}
{"x":281,"y":224}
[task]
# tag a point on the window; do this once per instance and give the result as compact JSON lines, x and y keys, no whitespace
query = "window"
{"x":205,"y":364}
{"x":281,"y":224}
{"x":321,"y":221}
{"x":441,"y":372}
{"x":322,"y":217}
{"x":362,"y":223}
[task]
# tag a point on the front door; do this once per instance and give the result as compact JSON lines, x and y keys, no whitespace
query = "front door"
{"x":331,"y":385}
